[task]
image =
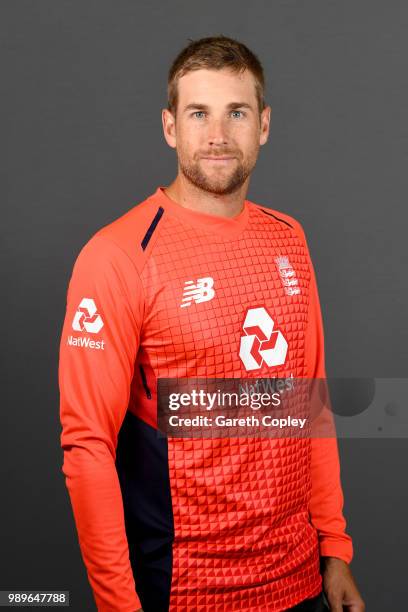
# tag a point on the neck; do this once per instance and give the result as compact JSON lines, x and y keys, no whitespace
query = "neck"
{"x":188,"y":195}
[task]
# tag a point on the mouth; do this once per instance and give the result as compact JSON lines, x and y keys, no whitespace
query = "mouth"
{"x":219,"y":160}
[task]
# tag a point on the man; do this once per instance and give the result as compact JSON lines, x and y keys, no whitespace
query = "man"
{"x":165,"y":291}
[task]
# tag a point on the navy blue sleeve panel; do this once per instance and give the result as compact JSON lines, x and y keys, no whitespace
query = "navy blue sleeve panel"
{"x":142,"y":465}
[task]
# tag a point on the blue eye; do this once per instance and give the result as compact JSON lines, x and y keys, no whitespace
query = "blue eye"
{"x":238,"y":111}
{"x":198,"y":113}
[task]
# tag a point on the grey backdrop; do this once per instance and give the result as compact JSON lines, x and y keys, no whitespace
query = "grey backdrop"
{"x":82,"y":87}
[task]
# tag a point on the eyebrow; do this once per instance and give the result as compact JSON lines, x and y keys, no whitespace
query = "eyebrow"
{"x":230,"y":106}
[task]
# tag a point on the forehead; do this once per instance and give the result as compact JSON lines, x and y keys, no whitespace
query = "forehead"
{"x":209,"y":86}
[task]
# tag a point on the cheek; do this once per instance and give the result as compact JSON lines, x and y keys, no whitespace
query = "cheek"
{"x":248,"y":144}
{"x":245,"y":136}
{"x":189,"y":141}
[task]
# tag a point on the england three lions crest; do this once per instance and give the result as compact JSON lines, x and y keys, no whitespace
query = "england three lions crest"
{"x":287,"y":275}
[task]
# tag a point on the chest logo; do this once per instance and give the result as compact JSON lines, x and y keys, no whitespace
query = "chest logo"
{"x":201,"y":291}
{"x":261,"y":343}
{"x":287,"y":275}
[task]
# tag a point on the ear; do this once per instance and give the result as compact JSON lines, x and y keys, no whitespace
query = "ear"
{"x":265,"y":124}
{"x":169,"y":127}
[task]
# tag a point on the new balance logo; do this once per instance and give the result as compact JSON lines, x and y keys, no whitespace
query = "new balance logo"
{"x":87,"y":318}
{"x":261,"y":343}
{"x":202,"y":291}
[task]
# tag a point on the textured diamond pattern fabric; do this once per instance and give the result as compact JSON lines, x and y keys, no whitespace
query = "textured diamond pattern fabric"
{"x":243,"y":539}
{"x":245,"y":275}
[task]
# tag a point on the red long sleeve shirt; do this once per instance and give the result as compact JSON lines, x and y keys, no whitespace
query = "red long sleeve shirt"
{"x":193,"y":524}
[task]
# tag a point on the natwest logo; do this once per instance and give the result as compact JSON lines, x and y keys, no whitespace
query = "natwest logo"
{"x":261,"y":342}
{"x":87,"y":318}
{"x":81,"y":341}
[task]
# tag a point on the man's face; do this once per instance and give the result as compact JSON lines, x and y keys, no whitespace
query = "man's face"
{"x":217,"y":130}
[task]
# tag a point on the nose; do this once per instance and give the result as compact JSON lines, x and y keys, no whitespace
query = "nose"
{"x":217,"y":132}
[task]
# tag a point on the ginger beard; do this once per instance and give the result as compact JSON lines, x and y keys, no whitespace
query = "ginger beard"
{"x":218,"y":178}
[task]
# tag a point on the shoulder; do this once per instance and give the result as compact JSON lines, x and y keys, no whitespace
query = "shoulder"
{"x":280,"y":217}
{"x":129,"y":236}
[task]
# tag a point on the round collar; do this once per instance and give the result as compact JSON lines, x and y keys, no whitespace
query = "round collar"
{"x":227,"y":227}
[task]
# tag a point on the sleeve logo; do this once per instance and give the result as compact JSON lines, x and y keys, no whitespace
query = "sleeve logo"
{"x":87,"y":318}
